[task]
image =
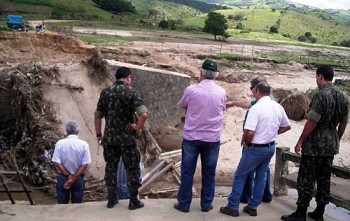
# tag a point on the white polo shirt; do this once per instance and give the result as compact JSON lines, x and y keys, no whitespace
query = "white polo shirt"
{"x":265,"y":118}
{"x":71,"y":152}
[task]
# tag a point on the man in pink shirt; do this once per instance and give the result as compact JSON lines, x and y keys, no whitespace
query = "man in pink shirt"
{"x":204,"y":104}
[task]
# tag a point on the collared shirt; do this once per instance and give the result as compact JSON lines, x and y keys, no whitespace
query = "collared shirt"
{"x":328,"y":107}
{"x":265,"y":118}
{"x":118,"y":104}
{"x":204,"y":103}
{"x":72,"y":153}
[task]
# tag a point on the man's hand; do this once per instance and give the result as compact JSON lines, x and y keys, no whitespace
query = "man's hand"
{"x":298,"y":147}
{"x":69,"y":182}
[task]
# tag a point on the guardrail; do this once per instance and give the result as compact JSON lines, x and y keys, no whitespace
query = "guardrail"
{"x":283,"y":178}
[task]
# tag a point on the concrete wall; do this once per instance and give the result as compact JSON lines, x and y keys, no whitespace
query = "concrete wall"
{"x":160,"y":90}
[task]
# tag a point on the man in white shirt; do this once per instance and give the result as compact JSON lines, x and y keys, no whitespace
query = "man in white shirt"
{"x":71,"y":158}
{"x":266,"y":119}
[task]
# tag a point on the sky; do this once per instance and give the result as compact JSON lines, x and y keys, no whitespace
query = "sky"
{"x":325,"y":4}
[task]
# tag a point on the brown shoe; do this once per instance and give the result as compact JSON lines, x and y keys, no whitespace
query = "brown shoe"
{"x":250,"y":211}
{"x":228,"y":211}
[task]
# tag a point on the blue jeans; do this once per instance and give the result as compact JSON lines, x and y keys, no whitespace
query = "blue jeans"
{"x":209,"y":152}
{"x":253,"y":159}
{"x":75,"y":193}
{"x":122,"y":189}
{"x":248,"y":188}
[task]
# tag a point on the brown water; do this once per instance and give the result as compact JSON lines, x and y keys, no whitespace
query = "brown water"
{"x":37,"y":195}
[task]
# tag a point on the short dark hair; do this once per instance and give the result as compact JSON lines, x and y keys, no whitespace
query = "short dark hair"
{"x":326,"y":71}
{"x":122,"y":72}
{"x":255,"y":81}
{"x":263,"y":87}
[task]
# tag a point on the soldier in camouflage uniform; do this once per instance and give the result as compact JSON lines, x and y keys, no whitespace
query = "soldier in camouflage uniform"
{"x":319,"y":142}
{"x":118,"y":104}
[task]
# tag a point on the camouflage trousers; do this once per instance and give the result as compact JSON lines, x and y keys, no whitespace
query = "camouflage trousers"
{"x":314,"y":169}
{"x":131,"y":160}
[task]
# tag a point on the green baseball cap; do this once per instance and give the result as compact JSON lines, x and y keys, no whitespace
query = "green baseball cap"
{"x":210,"y":65}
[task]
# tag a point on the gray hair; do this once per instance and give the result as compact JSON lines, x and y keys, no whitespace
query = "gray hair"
{"x":72,"y":127}
{"x":208,"y":74}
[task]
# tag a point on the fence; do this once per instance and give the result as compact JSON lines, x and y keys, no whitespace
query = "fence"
{"x":283,"y":178}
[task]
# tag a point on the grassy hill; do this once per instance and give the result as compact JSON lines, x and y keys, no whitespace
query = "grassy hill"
{"x":88,"y":10}
{"x":257,"y":23}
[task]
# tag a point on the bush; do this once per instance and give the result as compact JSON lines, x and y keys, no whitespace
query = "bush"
{"x":163,"y":24}
{"x":312,"y":39}
{"x":230,"y":17}
{"x":240,"y":26}
{"x":286,"y":35}
{"x":308,"y":34}
{"x":273,"y":29}
{"x":302,"y":38}
{"x":345,"y":43}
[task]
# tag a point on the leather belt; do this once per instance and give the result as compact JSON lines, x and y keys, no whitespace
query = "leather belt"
{"x":262,"y":145}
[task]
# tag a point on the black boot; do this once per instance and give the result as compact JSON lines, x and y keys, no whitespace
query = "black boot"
{"x":299,"y":215}
{"x":317,"y":214}
{"x":112,"y":198}
{"x":135,"y":203}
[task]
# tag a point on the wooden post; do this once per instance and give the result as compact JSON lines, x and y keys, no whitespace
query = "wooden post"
{"x":281,"y":165}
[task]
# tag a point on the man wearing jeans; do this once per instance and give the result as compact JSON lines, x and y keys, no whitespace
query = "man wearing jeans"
{"x":265,"y":120}
{"x":71,"y":158}
{"x":204,"y":104}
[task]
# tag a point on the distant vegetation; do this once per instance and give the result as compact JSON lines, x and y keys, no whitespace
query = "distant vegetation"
{"x":270,"y":19}
{"x":204,"y":7}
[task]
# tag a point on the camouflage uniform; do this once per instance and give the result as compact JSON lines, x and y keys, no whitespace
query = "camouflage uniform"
{"x":328,"y":107}
{"x":118,"y":104}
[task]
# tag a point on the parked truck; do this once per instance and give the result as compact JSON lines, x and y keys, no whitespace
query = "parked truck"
{"x":15,"y":22}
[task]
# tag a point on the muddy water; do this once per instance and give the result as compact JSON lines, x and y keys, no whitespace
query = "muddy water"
{"x":38,"y":196}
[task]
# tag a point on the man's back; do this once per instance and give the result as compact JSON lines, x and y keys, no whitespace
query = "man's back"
{"x":205,"y":104}
{"x":332,"y":106}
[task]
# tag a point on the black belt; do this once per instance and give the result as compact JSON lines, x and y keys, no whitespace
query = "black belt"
{"x":262,"y":145}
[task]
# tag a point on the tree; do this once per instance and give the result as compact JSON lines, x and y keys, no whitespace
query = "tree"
{"x":215,"y":24}
{"x":164,"y":24}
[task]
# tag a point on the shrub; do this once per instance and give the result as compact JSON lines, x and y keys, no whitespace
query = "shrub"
{"x":273,"y":29}
{"x":312,"y":39}
{"x":163,"y":24}
{"x":302,"y":38}
{"x":308,"y":34}
{"x":240,"y":26}
{"x":345,"y":43}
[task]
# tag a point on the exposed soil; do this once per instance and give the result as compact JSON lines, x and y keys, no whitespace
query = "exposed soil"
{"x":180,"y":54}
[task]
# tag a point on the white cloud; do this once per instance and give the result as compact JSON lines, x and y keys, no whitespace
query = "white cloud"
{"x":324,"y":4}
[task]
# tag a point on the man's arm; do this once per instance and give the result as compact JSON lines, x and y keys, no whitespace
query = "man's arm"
{"x":281,"y":130}
{"x":62,"y":169}
{"x":140,"y":122}
{"x":341,"y":130}
{"x":248,"y":136}
{"x":98,"y":126}
{"x":243,"y":104}
{"x":308,"y":129}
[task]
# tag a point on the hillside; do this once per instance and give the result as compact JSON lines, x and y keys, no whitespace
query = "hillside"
{"x":280,"y":4}
{"x":258,"y":16}
{"x":257,"y":22}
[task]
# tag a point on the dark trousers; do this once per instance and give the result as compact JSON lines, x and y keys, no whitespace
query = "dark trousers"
{"x":75,"y":193}
{"x":131,"y":159}
{"x":314,"y":169}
